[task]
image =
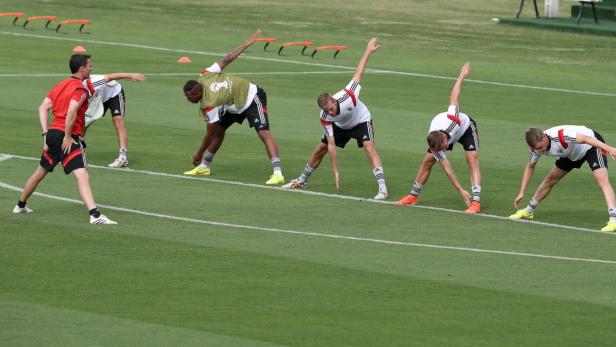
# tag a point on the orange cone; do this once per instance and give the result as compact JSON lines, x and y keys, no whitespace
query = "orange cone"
{"x":184,"y":60}
{"x":79,"y":49}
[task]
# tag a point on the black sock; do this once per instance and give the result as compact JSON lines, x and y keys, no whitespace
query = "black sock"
{"x":21,"y":204}
{"x":95,"y":212}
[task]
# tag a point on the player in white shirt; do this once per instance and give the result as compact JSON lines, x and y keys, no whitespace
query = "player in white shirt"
{"x":109,"y":95}
{"x":344,"y":117}
{"x":446,"y":129}
{"x":574,"y":145}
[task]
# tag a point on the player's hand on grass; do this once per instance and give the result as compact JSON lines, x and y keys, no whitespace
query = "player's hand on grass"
{"x":196,"y":158}
{"x":373,"y":45}
{"x":516,"y":201}
{"x":67,"y":143}
{"x":137,"y":77}
{"x":466,"y":197}
{"x":253,"y":38}
{"x":465,"y":70}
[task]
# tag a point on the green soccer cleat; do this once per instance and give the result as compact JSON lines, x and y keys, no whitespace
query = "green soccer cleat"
{"x":522,"y":214}
{"x":610,"y":227}
{"x":198,"y":171}
{"x":275,"y":179}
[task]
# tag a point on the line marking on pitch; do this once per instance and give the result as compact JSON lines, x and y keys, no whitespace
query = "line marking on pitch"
{"x":316,"y":234}
{"x":393,"y":72}
{"x":163,"y":74}
{"x":336,"y":196}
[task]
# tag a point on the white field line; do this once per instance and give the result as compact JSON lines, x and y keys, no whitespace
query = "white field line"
{"x":412,"y":74}
{"x":315,"y":234}
{"x":336,"y":196}
{"x":188,"y":73}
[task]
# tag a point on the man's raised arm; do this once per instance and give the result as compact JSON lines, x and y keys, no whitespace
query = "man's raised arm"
{"x":373,"y":45}
{"x":231,"y":56}
{"x":457,"y":88}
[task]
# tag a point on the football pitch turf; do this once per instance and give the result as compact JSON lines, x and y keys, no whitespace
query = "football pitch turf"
{"x":228,"y":261}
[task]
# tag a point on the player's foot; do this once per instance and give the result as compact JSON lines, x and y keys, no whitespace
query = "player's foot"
{"x":275,"y":178}
{"x":102,"y":219}
{"x":474,"y":208}
{"x":610,"y":227}
{"x":408,"y":200}
{"x":18,"y":209}
{"x":119,"y":163}
{"x":198,"y":171}
{"x":295,"y":184}
{"x":381,"y":195}
{"x":522,"y":214}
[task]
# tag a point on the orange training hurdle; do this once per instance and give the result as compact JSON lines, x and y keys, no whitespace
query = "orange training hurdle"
{"x":48,"y":18}
{"x":306,"y":44}
{"x":267,"y":41}
{"x":83,"y":23}
{"x":337,"y":48}
{"x":17,"y":15}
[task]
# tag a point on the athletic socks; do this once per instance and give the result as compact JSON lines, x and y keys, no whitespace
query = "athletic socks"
{"x":380,"y":178}
{"x":207,"y":159}
{"x":276,"y":165}
{"x":416,"y":188}
{"x":94,"y":212}
{"x":303,"y":178}
{"x":611,"y":212}
{"x":532,"y":205}
{"x":476,"y":190}
{"x":21,"y":204}
{"x":123,"y":154}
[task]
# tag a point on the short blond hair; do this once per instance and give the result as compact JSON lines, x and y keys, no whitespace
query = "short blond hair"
{"x":323,"y":99}
{"x":436,"y":139}
{"x":533,"y":136}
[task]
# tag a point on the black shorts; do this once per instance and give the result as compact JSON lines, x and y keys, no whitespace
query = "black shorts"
{"x":595,"y":157}
{"x":116,"y":105}
{"x":469,"y":140}
{"x":361,"y":132}
{"x":256,"y":114}
{"x":76,"y":159}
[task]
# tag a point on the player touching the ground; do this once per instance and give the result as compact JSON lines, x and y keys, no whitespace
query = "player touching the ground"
{"x":574,"y":145}
{"x":344,"y":117}
{"x":109,"y":95}
{"x":446,"y":129}
{"x":241,"y":100}
{"x":63,"y":142}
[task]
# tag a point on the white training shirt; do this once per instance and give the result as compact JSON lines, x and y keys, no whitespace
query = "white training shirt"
{"x":352,"y":110}
{"x":104,"y":89}
{"x":252,"y":91}
{"x":562,"y":143}
{"x":454,"y":123}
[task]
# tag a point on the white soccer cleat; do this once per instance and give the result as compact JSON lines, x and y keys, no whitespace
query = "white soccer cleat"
{"x":118,"y":163}
{"x":18,"y":209}
{"x":102,"y":219}
{"x":381,"y":195}
{"x":295,"y":184}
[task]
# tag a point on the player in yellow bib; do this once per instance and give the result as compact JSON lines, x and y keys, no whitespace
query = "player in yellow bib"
{"x":240,"y":100}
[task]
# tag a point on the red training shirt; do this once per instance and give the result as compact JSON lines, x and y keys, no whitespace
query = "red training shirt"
{"x":61,"y":96}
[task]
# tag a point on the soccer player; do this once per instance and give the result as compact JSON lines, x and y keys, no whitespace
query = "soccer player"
{"x":241,"y":100}
{"x":63,"y":143}
{"x":446,"y":129}
{"x":345,"y":117}
{"x":574,"y":145}
{"x":110,"y":95}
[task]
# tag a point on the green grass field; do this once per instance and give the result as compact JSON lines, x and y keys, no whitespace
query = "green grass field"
{"x":227,"y":261}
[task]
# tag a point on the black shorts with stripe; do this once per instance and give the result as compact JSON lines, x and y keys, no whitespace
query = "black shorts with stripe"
{"x":116,"y":105}
{"x":595,"y":157}
{"x":361,"y":132}
{"x":75,"y":159}
{"x":256,"y":114}
{"x":469,"y":140}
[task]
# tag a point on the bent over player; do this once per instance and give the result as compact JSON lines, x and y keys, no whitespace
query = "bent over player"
{"x":63,"y":143}
{"x":241,"y":100}
{"x":446,"y":129}
{"x":345,"y":117}
{"x":574,"y":145}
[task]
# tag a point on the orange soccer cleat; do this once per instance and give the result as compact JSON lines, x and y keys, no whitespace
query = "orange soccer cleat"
{"x":408,"y":200}
{"x":474,"y":208}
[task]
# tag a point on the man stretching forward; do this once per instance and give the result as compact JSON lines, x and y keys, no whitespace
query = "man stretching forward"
{"x":446,"y":129}
{"x":241,"y":100}
{"x":574,"y":145}
{"x":344,"y":116}
{"x":63,"y":143}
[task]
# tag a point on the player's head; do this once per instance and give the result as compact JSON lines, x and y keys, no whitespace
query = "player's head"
{"x":193,"y":91}
{"x":437,"y":141}
{"x":81,"y":63}
{"x":536,"y":139}
{"x":327,"y":104}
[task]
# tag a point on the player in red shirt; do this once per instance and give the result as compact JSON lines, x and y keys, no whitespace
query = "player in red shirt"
{"x":63,"y":142}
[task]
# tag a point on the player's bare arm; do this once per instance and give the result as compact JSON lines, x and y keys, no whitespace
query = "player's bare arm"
{"x":373,"y":45}
{"x":529,"y":170}
{"x":454,"y":181}
{"x":71,"y":117}
{"x":136,"y":77}
{"x":331,"y":150}
{"x":585,"y":139}
{"x":212,"y":130}
{"x":457,"y":87}
{"x":44,"y":113}
{"x":231,"y":56}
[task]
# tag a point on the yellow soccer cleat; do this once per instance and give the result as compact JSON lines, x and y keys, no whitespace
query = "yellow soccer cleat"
{"x":610,"y":227}
{"x":198,"y":171}
{"x":522,"y":214}
{"x":275,"y":179}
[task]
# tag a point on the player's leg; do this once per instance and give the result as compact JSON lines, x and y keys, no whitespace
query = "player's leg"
{"x":212,"y":141}
{"x":31,"y":184}
{"x":271,"y":146}
{"x":420,"y":180}
{"x":603,"y":181}
{"x":472,"y":159}
{"x":377,"y":169}
{"x":85,"y":192}
{"x":313,"y":163}
{"x":544,"y":189}
{"x":117,"y":107}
